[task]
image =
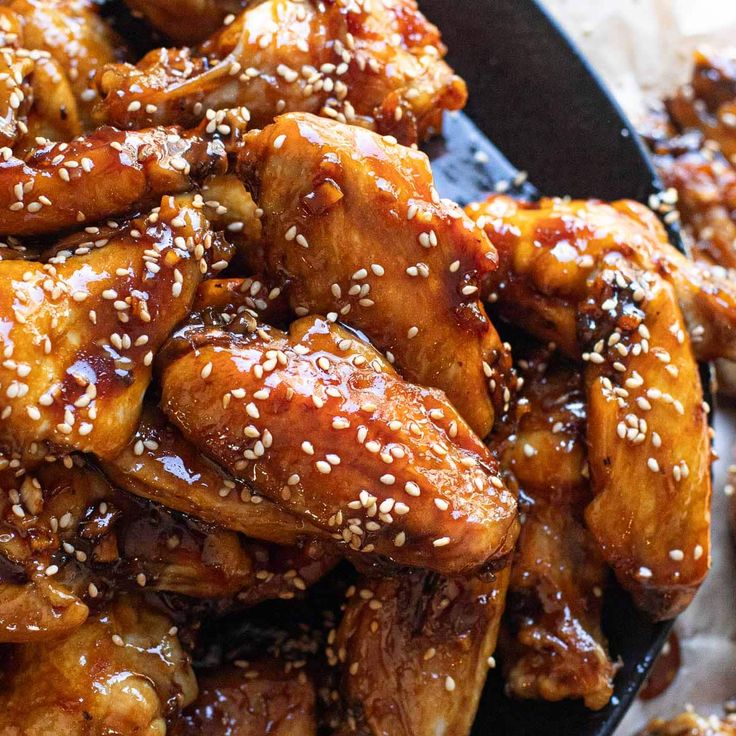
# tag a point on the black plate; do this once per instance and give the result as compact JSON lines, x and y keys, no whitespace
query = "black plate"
{"x":537,"y":99}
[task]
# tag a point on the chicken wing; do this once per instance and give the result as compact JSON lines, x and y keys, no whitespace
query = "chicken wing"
{"x":411,"y":481}
{"x":378,"y":65}
{"x":353,"y":227}
{"x":100,"y":176}
{"x":691,"y":724}
{"x":79,"y":332}
{"x":705,"y":183}
{"x":598,"y":280}
{"x":186,"y":22}
{"x":122,"y":672}
{"x":554,"y":647}
{"x":266,"y":697}
{"x":74,"y":35}
{"x":72,"y":527}
{"x":415,"y":650}
{"x":160,"y":464}
{"x":576,"y":237}
{"x":708,"y":103}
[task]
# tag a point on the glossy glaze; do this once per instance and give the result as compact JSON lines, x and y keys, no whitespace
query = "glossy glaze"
{"x":414,"y":652}
{"x":79,"y":332}
{"x":319,"y":423}
{"x":100,"y":176}
{"x":553,"y":647}
{"x":122,"y":672}
{"x":599,"y":280}
{"x":353,"y":228}
{"x":160,"y":464}
{"x":264,"y":697}
{"x":378,"y":65}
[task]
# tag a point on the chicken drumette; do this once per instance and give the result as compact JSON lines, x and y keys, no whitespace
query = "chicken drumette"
{"x":415,"y":651}
{"x":81,"y":330}
{"x":378,"y":65}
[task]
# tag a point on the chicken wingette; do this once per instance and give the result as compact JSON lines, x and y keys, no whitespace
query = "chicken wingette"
{"x":603,"y":283}
{"x":317,"y":421}
{"x":553,"y":647}
{"x":352,"y":227}
{"x":378,"y":65}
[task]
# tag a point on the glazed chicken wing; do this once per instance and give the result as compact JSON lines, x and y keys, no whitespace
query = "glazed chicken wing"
{"x":123,"y":672}
{"x":691,"y":724}
{"x":708,"y":103}
{"x":186,"y":22}
{"x":353,"y":227}
{"x":103,"y":175}
{"x":553,"y":647}
{"x":319,"y":423}
{"x":266,"y":697}
{"x":80,"y":331}
{"x":598,"y":280}
{"x":160,"y":464}
{"x":76,"y":38}
{"x":415,"y":651}
{"x":705,"y":182}
{"x":378,"y":65}
{"x":68,"y":534}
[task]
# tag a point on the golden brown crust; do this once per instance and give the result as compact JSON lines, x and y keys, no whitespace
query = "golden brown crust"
{"x":691,"y":724}
{"x":377,"y":65}
{"x":103,"y":175}
{"x":708,"y":103}
{"x":319,"y":423}
{"x":598,"y":280}
{"x":160,"y":464}
{"x":77,"y":39}
{"x":353,"y":227}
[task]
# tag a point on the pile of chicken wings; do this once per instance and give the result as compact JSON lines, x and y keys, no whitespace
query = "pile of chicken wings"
{"x":290,"y":444}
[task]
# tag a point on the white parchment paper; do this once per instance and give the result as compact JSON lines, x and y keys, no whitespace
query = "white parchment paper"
{"x":642,"y":50}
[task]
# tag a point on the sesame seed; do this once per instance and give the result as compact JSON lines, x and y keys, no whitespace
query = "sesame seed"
{"x":441,"y":542}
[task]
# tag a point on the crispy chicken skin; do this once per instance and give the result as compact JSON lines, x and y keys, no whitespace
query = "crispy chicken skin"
{"x":378,"y":65}
{"x":691,"y":724}
{"x":705,"y":182}
{"x":264,"y":698}
{"x":79,"y":332}
{"x":708,"y":103}
{"x":122,"y":672}
{"x":598,"y":280}
{"x":102,"y":175}
{"x":415,"y":652}
{"x":78,"y":40}
{"x":353,"y":226}
{"x":185,"y":22}
{"x":553,"y":647}
{"x":160,"y":464}
{"x":319,"y":423}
